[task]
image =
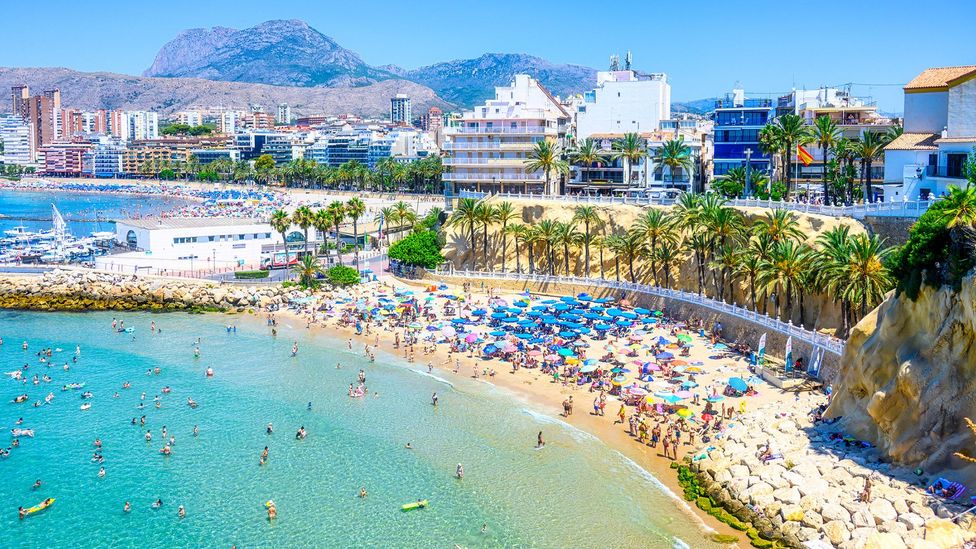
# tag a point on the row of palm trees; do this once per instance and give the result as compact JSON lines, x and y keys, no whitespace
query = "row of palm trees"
{"x":631,"y":149}
{"x":765,"y":260}
{"x":782,"y":135}
{"x":421,"y":175}
{"x":324,"y":220}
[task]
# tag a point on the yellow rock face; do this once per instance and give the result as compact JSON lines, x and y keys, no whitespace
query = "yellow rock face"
{"x":908,"y":378}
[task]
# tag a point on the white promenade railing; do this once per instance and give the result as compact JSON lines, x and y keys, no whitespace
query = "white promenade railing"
{"x":913,"y":208}
{"x":829,"y":343}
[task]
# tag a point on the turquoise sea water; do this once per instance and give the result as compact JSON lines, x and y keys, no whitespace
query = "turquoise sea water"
{"x":576,"y":492}
{"x":95,"y":205}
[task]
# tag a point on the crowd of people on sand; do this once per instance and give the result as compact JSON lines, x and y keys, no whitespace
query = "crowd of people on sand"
{"x":687,"y":384}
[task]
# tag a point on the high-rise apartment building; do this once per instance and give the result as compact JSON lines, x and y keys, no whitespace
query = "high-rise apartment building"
{"x":43,"y":114}
{"x":138,"y":125}
{"x":227,"y":123}
{"x":190,"y":118}
{"x":15,"y":134}
{"x":400,"y":110}
{"x":489,"y":148}
{"x":284,"y":114}
{"x":20,"y":96}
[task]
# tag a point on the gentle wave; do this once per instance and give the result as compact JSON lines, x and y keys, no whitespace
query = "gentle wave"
{"x":432,"y":376}
{"x":578,"y":434}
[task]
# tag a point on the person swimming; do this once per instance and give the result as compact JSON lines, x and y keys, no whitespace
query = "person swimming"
{"x":37,"y":484}
{"x":270,"y":429}
{"x":301,"y":434}
{"x":181,"y":512}
{"x":459,"y":471}
{"x":539,"y":442}
{"x":408,"y":446}
{"x":362,"y":492}
{"x":127,"y":507}
{"x":157,"y":504}
{"x":309,"y":406}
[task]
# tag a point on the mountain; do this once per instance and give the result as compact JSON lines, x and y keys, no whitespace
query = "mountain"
{"x":103,"y":90}
{"x":470,"y":81}
{"x":282,"y":53}
{"x":291,"y":53}
{"x":697,"y":106}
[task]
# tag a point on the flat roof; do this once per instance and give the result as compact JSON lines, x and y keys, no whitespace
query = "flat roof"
{"x":151,"y":223}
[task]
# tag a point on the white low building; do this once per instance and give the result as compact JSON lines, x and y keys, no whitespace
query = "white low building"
{"x":172,"y":245}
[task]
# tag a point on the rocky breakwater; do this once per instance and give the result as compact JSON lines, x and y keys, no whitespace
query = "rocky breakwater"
{"x":79,"y":290}
{"x":813,"y":494}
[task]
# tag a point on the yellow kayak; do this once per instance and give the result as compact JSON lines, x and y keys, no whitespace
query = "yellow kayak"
{"x":39,"y":507}
{"x":414,"y":505}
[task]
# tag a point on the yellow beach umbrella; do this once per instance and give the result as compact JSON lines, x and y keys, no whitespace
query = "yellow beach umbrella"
{"x":685,"y":413}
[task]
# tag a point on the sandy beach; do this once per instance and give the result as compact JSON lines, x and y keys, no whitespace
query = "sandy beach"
{"x":541,"y":391}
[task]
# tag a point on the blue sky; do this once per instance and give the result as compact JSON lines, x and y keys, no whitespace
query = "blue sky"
{"x":704,"y":46}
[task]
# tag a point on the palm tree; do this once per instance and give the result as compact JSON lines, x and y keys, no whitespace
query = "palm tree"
{"x":505,"y":213}
{"x":732,"y":183}
{"x":546,"y":231}
{"x":389,"y":216}
{"x":587,"y":153}
{"x":307,"y":269}
{"x":698,"y":243}
{"x":869,"y":278}
{"x":281,"y":222}
{"x":826,"y":134}
{"x":486,"y":216}
{"x":322,"y":221}
{"x":779,"y":225}
{"x":831,"y":266}
{"x":652,"y":226}
{"x":959,"y":208}
{"x":404,"y":213}
{"x":531,"y":238}
{"x":723,"y":224}
{"x":466,"y":214}
{"x":631,"y":247}
{"x":845,"y":151}
{"x":546,"y":157}
{"x":786,"y":269}
{"x":668,"y":253}
{"x":566,"y":236}
{"x":789,"y":131}
{"x":586,"y":215}
{"x":518,"y":232}
{"x":631,"y":149}
{"x":337,"y":213}
{"x":303,"y":216}
{"x":355,"y":208}
{"x":869,"y":148}
{"x":615,"y":244}
{"x":747,"y":266}
{"x":675,"y":154}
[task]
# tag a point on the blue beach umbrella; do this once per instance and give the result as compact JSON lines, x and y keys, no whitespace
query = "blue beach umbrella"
{"x":567,"y":335}
{"x":591,"y":316}
{"x":648,"y":320}
{"x":479,"y":312}
{"x":521,"y":304}
{"x":550,"y":320}
{"x":539,"y":307}
{"x":603,"y":327}
{"x":525,"y":322}
{"x":497,"y":333}
{"x":670,"y":399}
{"x":664,"y":356}
{"x":641,"y":311}
{"x":561,"y":307}
{"x":588,"y":368}
{"x":533,"y":314}
{"x":584,"y":297}
{"x":738,"y":384}
{"x":583,"y":330}
{"x":662,"y":341}
{"x":628,"y":314}
{"x":549,"y":302}
{"x":489,"y":349}
{"x":459,"y":321}
{"x":514,"y":310}
{"x":497,"y":316}
{"x":564,"y":352}
{"x":567,"y":299}
{"x":510,"y":319}
{"x":613,"y":311}
{"x":624,"y":323}
{"x":524,"y":335}
{"x":597,"y":309}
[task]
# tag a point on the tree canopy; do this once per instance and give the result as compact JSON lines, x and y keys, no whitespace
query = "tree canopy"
{"x":421,"y":249}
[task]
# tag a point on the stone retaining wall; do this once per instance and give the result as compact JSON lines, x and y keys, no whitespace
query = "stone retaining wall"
{"x":85,"y":290}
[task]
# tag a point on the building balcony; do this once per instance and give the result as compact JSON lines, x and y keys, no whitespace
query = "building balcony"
{"x":950,"y":172}
{"x":513,"y":162}
{"x":728,"y":103}
{"x":488,"y":176}
{"x":468,"y":146}
{"x":523,"y":130}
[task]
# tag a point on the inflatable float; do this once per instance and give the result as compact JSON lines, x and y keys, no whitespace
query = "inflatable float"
{"x":414,"y":505}
{"x":39,"y":507}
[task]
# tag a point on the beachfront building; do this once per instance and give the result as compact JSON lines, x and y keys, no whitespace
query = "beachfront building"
{"x":188,"y":243}
{"x":853,"y":116}
{"x":488,"y":150}
{"x":284,"y":114}
{"x":15,"y":134}
{"x":282,"y":147}
{"x":940,"y":134}
{"x":736,"y":133}
{"x":206,"y":156}
{"x":104,"y":159}
{"x":64,"y":158}
{"x":400,"y":114}
{"x":624,"y":101}
{"x":137,"y":125}
{"x":227,"y":122}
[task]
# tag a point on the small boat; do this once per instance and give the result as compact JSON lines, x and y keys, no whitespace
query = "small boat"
{"x":420,"y":504}
{"x":86,"y":406}
{"x":39,"y":507}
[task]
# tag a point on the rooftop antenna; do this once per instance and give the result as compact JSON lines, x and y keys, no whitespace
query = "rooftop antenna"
{"x":628,"y":60}
{"x":615,"y":62}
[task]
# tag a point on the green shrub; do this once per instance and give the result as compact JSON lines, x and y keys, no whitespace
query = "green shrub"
{"x":340,"y":275}
{"x":249,"y":275}
{"x":724,"y":538}
{"x":420,"y":249}
{"x":289,"y":284}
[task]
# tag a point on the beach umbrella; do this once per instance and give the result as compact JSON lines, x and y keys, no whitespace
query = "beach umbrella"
{"x":685,"y":413}
{"x":533,"y":314}
{"x":510,"y":319}
{"x":497,"y":333}
{"x":591,"y":361}
{"x":684,"y":337}
{"x":670,"y":399}
{"x":524,"y":336}
{"x":591,"y":316}
{"x":738,"y":384}
{"x":679,"y":369}
{"x":415,"y":325}
{"x":689,"y":385}
{"x":583,"y":330}
{"x":498,"y":316}
{"x":551,"y":358}
{"x":641,"y":311}
{"x":578,"y":311}
{"x":683,"y":394}
{"x":525,"y":322}
{"x":568,"y":316}
{"x":567,"y":334}
{"x":693,"y":370}
{"x":539,"y":307}
{"x":715,"y":398}
{"x":588,"y":368}
{"x":628,"y":314}
{"x":720,"y":346}
{"x":603,"y":300}
{"x":664,"y":356}
{"x":560,"y":307}
{"x":624,"y":323}
{"x":471,"y":338}
{"x":584,"y":297}
{"x":550,"y":320}
{"x":521,"y":304}
{"x":678,"y":362}
{"x":535,"y":352}
{"x":567,"y":299}
{"x":647,"y":378}
{"x":597,"y":309}
{"x":459,"y":321}
{"x":549,"y":302}
{"x":636,"y":391}
{"x":657,"y":313}
{"x":565,"y":352}
{"x":514,"y":310}
{"x":662,"y":341}
{"x":448,"y":331}
{"x":619,"y":380}
{"x":508,"y":348}
{"x":613,"y":311}
{"x":648,"y":320}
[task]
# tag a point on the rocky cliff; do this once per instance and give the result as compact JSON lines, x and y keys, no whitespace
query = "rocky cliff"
{"x":908,"y":378}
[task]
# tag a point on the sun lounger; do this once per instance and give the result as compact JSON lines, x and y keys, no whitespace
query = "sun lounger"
{"x":945,"y":489}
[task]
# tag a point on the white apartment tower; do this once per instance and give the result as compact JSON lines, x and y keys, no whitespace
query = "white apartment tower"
{"x":489,"y":149}
{"x":400,"y":110}
{"x":284,"y":114}
{"x":623,"y":101}
{"x":138,"y":125}
{"x":15,"y":134}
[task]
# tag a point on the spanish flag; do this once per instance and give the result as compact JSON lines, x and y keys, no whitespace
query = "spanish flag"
{"x":803,"y":156}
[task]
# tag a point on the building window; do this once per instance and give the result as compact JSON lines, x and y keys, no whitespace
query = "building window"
{"x":240,"y":237}
{"x":211,"y":238}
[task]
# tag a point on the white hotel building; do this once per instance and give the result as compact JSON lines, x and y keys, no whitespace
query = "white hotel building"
{"x":623,"y":102}
{"x":488,"y":150}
